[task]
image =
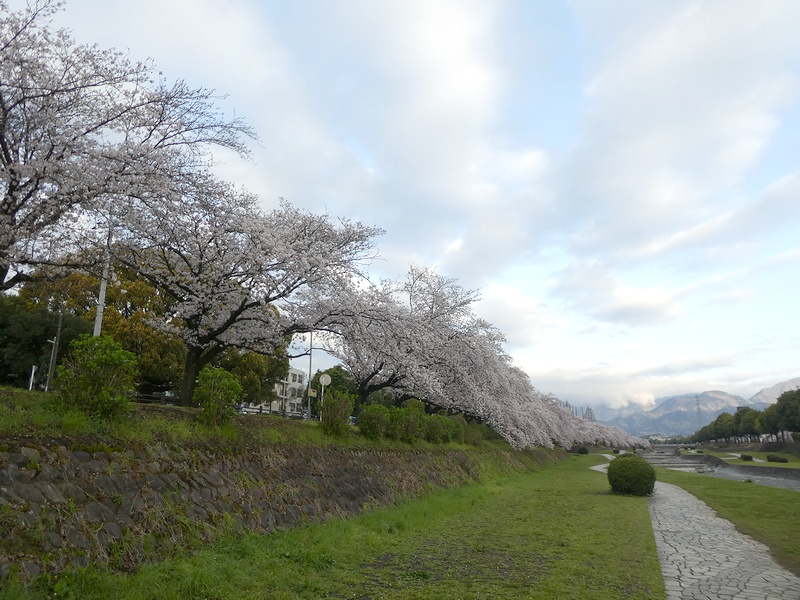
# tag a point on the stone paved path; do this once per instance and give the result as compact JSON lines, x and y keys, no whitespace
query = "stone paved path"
{"x":703,"y":556}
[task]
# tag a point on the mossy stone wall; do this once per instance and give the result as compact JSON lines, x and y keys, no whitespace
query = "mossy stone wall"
{"x":64,"y":507}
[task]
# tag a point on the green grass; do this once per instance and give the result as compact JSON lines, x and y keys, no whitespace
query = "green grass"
{"x":556,"y":533}
{"x":768,"y":514}
{"x":40,"y":415}
{"x":794,"y":460}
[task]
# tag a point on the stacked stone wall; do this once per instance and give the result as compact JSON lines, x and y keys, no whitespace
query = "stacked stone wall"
{"x":68,"y":507}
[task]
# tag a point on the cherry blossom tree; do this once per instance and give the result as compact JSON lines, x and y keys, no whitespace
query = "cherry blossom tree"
{"x":382,"y":332}
{"x":236,"y":275}
{"x":420,"y":338}
{"x":82,"y":128}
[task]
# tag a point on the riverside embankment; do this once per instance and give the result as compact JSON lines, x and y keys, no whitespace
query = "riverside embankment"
{"x":67,"y":503}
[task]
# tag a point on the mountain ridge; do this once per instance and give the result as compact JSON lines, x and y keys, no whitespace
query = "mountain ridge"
{"x":678,"y":415}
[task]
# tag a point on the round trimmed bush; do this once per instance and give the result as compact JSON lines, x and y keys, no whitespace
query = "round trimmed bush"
{"x":746,"y":457}
{"x":777,"y":459}
{"x":583,"y":450}
{"x":631,"y":474}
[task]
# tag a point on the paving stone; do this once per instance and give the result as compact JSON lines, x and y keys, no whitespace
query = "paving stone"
{"x":703,"y":556}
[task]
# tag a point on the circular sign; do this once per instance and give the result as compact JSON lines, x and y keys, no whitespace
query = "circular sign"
{"x":325,"y":379}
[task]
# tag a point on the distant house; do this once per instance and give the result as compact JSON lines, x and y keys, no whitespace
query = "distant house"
{"x":290,"y":394}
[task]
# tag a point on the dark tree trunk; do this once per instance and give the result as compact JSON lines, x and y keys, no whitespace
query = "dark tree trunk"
{"x":191,"y":370}
{"x":197,"y":357}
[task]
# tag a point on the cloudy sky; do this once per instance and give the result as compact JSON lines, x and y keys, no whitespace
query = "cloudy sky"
{"x":620,"y":179}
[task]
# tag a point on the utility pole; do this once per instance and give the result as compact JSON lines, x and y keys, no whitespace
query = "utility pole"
{"x":54,"y":353}
{"x":101,"y":297}
{"x":699,"y":413}
{"x":310,"y":349}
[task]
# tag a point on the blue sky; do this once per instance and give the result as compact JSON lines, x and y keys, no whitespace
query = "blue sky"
{"x":620,"y":179}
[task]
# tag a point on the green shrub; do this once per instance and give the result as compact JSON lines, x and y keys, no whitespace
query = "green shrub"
{"x":336,"y":411}
{"x":458,"y":428}
{"x":475,"y":433}
{"x":631,"y":474}
{"x":583,"y":450}
{"x":396,"y":423}
{"x":414,"y":404}
{"x":373,"y":420}
{"x":746,"y":457}
{"x":217,"y":393}
{"x":405,"y":424}
{"x":414,"y":425}
{"x":99,"y":377}
{"x":437,"y":429}
{"x":777,"y":459}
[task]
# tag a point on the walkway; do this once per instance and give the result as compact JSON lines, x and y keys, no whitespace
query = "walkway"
{"x":704,"y":557}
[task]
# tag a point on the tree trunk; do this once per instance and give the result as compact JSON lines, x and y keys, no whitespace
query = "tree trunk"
{"x":191,"y":370}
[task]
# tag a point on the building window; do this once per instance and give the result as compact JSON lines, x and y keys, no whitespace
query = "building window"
{"x":294,"y":377}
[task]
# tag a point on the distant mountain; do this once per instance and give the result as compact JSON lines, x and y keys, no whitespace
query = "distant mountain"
{"x":709,"y":402}
{"x":770,"y":394}
{"x":678,"y":415}
{"x":606,"y":413}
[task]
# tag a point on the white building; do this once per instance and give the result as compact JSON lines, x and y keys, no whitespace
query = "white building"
{"x":290,"y":394}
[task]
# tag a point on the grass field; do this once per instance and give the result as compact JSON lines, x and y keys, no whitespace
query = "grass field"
{"x":556,"y":533}
{"x":769,"y":515}
{"x":794,"y":460}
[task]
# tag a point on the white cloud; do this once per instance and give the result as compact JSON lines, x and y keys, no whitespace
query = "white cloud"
{"x":680,"y":113}
{"x":590,"y":287}
{"x":523,"y":318}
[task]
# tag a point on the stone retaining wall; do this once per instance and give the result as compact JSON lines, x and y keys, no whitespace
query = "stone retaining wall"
{"x":64,"y":507}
